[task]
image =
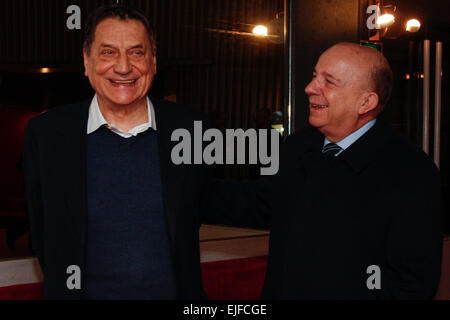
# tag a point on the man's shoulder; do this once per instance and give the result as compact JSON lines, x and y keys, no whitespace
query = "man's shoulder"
{"x":177,"y":115}
{"x":61,"y":115}
{"x":304,"y":138}
{"x":305,"y":132}
{"x":406,"y":157}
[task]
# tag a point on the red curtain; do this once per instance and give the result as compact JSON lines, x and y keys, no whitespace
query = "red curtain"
{"x":238,"y":279}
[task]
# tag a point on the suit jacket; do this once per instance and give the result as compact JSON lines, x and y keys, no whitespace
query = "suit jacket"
{"x":333,"y":221}
{"x":55,"y":179}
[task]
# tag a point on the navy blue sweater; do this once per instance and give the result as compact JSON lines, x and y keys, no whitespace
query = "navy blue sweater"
{"x":128,"y":253}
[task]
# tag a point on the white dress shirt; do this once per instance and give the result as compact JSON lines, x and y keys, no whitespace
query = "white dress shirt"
{"x":96,"y":120}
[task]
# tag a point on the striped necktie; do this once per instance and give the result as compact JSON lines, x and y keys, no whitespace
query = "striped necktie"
{"x":331,"y":149}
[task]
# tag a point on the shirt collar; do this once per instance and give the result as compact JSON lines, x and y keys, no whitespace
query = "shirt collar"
{"x":96,"y":120}
{"x":351,"y":138}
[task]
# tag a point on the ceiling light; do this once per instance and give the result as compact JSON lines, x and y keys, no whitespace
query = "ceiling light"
{"x":386,"y":20}
{"x":260,"y":31}
{"x":413,"y":25}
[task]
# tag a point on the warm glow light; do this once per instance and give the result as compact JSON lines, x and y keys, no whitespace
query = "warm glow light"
{"x":45,"y":70}
{"x":407,"y":76}
{"x":386,"y":20}
{"x":413,"y":25}
{"x":260,"y":31}
{"x":422,"y":76}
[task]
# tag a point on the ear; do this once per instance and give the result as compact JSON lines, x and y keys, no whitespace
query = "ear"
{"x":368,"y":103}
{"x":85,"y":61}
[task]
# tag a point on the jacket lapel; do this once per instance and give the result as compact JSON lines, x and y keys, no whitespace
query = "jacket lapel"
{"x":74,"y":158}
{"x":311,"y":152}
{"x":171,"y":180}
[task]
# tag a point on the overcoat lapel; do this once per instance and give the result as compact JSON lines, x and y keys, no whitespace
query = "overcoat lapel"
{"x":171,"y":179}
{"x":74,"y":160}
{"x":312,"y":152}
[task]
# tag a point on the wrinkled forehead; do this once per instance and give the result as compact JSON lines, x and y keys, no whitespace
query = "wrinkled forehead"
{"x":112,"y":29}
{"x":347,"y":63}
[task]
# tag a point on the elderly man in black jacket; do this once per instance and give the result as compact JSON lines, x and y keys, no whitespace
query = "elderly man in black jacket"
{"x":111,"y":216}
{"x":355,"y":210}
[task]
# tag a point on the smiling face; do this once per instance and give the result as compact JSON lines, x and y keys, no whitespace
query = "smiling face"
{"x":340,"y":98}
{"x":121,"y":65}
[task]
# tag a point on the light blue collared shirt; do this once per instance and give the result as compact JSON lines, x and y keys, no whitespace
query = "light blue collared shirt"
{"x":351,"y":138}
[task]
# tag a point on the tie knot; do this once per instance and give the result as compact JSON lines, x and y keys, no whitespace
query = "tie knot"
{"x":331,"y":149}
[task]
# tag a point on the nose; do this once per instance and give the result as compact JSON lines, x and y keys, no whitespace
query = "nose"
{"x":312,"y":88}
{"x":122,"y":65}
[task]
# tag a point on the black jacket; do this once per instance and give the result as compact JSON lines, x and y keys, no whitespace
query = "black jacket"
{"x":378,"y":203}
{"x":55,"y":178}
